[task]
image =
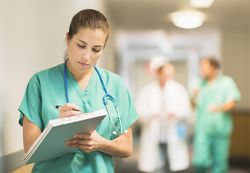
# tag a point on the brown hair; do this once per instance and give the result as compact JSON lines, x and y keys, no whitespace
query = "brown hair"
{"x":88,"y":18}
{"x":213,"y":62}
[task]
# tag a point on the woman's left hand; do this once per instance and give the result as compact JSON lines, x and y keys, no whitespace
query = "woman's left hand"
{"x":87,"y":142}
{"x":122,"y":146}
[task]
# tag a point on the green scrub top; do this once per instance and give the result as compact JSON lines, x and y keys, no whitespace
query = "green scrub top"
{"x":46,"y":89}
{"x":222,"y":90}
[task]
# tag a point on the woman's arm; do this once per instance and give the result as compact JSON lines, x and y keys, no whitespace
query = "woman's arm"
{"x":121,"y":146}
{"x":30,"y":133}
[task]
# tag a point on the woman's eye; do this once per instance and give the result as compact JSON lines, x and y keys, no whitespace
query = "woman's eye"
{"x":96,"y":50}
{"x":81,"y":46}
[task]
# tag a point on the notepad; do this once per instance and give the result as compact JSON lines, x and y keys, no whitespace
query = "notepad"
{"x":51,"y":143}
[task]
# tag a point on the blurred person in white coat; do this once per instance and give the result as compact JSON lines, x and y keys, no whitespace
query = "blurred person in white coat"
{"x":162,"y":106}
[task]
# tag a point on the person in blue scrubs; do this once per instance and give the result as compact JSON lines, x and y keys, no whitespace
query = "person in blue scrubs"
{"x":216,"y":96}
{"x":78,"y":85}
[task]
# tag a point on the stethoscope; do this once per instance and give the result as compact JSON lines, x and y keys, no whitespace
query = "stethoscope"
{"x":106,"y":99}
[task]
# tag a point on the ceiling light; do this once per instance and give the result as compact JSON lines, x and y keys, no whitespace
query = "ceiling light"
{"x":201,"y":3}
{"x":187,"y":19}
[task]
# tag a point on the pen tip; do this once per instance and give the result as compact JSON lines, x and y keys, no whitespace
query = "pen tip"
{"x":57,"y":106}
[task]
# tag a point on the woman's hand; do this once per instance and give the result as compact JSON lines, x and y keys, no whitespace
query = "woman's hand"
{"x":68,"y":110}
{"x":87,"y":142}
{"x":122,"y":146}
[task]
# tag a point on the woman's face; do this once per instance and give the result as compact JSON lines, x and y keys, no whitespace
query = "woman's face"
{"x":84,"y":48}
{"x":206,"y":69}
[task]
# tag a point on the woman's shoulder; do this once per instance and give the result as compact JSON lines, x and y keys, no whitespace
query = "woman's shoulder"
{"x":50,"y":72}
{"x":55,"y":70}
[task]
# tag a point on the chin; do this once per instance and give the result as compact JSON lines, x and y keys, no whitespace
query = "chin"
{"x":85,"y":68}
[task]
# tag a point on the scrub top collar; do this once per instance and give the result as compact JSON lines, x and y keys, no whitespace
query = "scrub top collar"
{"x":74,"y":83}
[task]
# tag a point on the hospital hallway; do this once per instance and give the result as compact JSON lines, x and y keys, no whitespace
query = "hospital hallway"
{"x":180,"y":34}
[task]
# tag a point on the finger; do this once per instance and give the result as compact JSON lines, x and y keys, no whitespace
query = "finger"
{"x":73,"y":106}
{"x":70,"y":106}
{"x":78,"y":143}
{"x":65,"y":109}
{"x":82,"y":141}
{"x":83,"y":135}
{"x":85,"y":148}
{"x":68,"y":113}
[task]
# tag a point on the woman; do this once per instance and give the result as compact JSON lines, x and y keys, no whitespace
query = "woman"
{"x":78,"y":85}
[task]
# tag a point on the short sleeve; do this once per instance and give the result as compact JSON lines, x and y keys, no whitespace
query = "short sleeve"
{"x":31,"y":103}
{"x":232,"y":90}
{"x":126,"y":107}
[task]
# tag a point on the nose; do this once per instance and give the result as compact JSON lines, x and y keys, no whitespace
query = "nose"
{"x":86,"y":55}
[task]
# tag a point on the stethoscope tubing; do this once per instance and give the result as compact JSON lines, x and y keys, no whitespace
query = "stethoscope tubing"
{"x":105,"y":98}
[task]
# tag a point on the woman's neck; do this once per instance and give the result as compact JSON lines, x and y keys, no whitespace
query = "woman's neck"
{"x":82,"y":78}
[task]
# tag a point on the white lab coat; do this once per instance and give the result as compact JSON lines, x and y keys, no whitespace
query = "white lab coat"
{"x":148,"y":103}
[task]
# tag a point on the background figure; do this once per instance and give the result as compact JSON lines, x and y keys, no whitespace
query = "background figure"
{"x":162,"y":106}
{"x":216,"y":96}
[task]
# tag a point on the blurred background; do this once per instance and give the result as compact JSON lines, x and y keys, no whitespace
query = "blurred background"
{"x":32,"y":38}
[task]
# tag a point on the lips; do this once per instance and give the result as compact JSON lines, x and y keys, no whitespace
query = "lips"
{"x":84,"y":64}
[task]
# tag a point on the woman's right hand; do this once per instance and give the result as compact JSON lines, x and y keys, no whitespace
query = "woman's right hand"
{"x":68,"y":110}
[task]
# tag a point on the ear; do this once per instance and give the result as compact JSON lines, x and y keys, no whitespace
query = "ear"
{"x":67,"y":39}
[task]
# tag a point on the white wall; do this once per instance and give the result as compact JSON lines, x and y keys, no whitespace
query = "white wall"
{"x":236,"y":59}
{"x":32,"y":38}
{"x":206,"y":40}
{"x":1,"y":81}
{"x":182,"y":45}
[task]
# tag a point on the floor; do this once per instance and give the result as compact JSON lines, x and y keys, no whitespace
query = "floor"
{"x":128,"y":169}
{"x":131,"y":167}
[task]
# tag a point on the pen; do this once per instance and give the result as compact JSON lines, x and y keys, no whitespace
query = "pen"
{"x":59,"y":106}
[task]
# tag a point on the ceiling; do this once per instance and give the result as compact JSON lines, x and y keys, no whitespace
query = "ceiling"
{"x":154,"y":14}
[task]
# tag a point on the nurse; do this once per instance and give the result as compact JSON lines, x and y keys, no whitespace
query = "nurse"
{"x":216,"y":97}
{"x":78,"y":85}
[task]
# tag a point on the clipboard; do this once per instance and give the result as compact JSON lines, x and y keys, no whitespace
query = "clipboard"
{"x":51,"y":143}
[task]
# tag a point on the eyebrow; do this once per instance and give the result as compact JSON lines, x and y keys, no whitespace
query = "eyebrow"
{"x":99,"y":46}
